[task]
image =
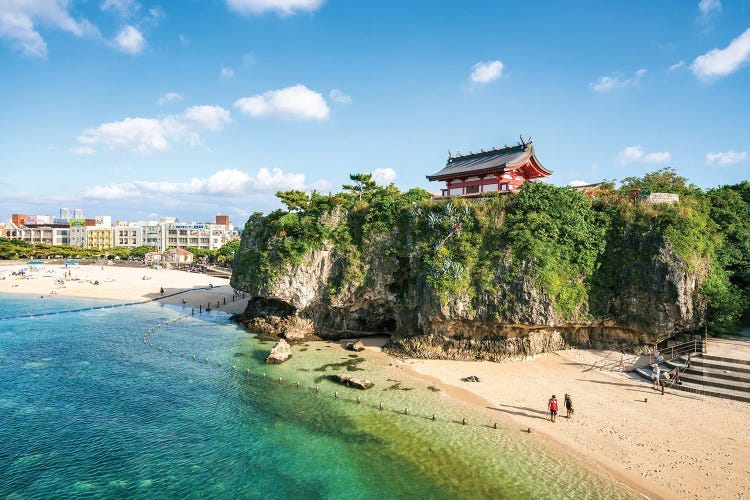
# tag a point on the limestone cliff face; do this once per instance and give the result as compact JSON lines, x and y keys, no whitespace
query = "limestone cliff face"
{"x":632,"y":304}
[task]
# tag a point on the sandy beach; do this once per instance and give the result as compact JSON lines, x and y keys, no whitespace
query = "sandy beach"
{"x":672,"y":446}
{"x":121,"y":284}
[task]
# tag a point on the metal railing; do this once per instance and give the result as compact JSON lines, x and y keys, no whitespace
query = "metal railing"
{"x":676,"y":351}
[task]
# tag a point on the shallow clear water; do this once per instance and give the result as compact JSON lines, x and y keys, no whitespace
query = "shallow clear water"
{"x":87,"y":409}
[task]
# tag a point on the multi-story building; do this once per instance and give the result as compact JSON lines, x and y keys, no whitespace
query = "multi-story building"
{"x":206,"y":236}
{"x":47,"y":234}
{"x":64,"y":214}
{"x":99,"y":232}
{"x":129,"y":235}
{"x":103,"y":220}
{"x":78,"y":214}
{"x":99,"y":237}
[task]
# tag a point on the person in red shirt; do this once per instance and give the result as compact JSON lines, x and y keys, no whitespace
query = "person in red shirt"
{"x":552,"y":405}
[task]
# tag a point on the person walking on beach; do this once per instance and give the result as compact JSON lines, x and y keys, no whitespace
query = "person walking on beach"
{"x":622,"y":360}
{"x":655,"y":374}
{"x":568,"y":405}
{"x":161,"y":290}
{"x":552,"y":405}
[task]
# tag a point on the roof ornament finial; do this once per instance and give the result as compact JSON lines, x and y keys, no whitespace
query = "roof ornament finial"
{"x":523,"y":143}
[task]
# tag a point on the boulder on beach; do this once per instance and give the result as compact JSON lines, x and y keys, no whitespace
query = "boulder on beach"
{"x":357,"y":345}
{"x":471,"y":378}
{"x":348,"y":380}
{"x":280,"y":352}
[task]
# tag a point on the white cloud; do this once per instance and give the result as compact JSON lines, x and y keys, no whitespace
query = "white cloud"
{"x":718,"y":63}
{"x":297,"y":102}
{"x":248,"y":59}
{"x":130,"y":40}
{"x":19,"y":21}
{"x":111,"y":192}
{"x":209,"y":117}
{"x":578,"y":183}
{"x":384,"y":176}
{"x":708,"y":8}
{"x":485,"y":72}
{"x":726,"y":158}
{"x":226,"y":73}
{"x":338,"y":96}
{"x":607,"y":83}
{"x":636,"y":154}
{"x":145,"y":135}
{"x":281,"y":7}
{"x":183,"y":40}
{"x":169,"y":97}
{"x":227,"y":182}
{"x":124,"y":8}
{"x":676,"y":66}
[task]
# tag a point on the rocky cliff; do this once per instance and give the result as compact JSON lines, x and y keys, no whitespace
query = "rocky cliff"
{"x":475,"y":280}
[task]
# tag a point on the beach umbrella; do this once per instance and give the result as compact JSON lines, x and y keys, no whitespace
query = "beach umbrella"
{"x":35,"y":263}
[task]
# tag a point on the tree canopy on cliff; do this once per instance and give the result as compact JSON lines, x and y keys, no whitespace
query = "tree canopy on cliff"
{"x":583,"y":252}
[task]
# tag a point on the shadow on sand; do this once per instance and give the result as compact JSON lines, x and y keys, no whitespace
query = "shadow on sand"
{"x":521,"y":411}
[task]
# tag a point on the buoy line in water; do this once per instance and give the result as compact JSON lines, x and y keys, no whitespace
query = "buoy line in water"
{"x":108,"y":306}
{"x":247,"y":374}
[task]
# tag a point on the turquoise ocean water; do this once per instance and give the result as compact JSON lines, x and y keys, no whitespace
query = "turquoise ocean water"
{"x":88,"y":410}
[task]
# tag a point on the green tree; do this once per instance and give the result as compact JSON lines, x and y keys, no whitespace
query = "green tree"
{"x":363,"y":184}
{"x":295,"y":200}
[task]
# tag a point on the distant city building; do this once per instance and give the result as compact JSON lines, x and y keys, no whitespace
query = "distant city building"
{"x":100,"y":232}
{"x":78,"y":214}
{"x":65,"y":214}
{"x":103,"y":220}
{"x":99,"y":237}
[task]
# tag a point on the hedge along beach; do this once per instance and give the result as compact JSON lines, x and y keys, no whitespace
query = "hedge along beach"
{"x":613,"y":429}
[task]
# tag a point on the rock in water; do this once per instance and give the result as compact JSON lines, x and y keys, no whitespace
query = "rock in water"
{"x":280,"y":352}
{"x":348,"y":380}
{"x":355,"y":346}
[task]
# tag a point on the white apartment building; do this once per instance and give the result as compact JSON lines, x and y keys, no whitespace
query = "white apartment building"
{"x":130,"y":235}
{"x":42,"y":234}
{"x":204,"y":236}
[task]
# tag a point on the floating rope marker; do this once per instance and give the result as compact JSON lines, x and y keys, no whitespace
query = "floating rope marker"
{"x":336,"y":394}
{"x":406,"y":411}
{"x":317,"y":389}
{"x":206,"y":360}
{"x":463,"y":421}
{"x":160,"y":348}
{"x":494,"y":425}
{"x":279,"y":379}
{"x":381,"y":405}
{"x":358,"y":400}
{"x":433,"y":416}
{"x":233,"y":367}
{"x":182,"y":354}
{"x":264,"y":374}
{"x":219,"y":364}
{"x":193,"y":357}
{"x":297,"y":385}
{"x":247,"y":371}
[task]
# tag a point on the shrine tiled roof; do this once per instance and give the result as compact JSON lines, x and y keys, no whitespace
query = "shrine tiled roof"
{"x":488,"y":161}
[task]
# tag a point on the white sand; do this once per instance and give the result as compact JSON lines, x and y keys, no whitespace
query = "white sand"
{"x":121,"y":284}
{"x":672,"y":446}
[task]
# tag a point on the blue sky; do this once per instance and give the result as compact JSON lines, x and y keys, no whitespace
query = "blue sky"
{"x":191,"y":108}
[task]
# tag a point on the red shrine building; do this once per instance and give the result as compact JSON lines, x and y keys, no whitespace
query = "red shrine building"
{"x":497,"y":170}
